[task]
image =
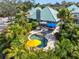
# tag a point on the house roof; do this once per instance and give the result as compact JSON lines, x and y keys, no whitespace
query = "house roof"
{"x":49,"y":14}
{"x":73,"y":7}
{"x":75,"y":11}
{"x":33,"y":12}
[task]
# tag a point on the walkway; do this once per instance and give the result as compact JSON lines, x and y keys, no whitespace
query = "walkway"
{"x":51,"y":39}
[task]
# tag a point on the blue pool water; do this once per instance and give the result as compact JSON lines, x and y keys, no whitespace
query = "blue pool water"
{"x":43,"y":40}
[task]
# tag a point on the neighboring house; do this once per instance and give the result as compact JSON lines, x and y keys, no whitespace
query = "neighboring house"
{"x":73,"y":7}
{"x":75,"y":11}
{"x":46,"y":14}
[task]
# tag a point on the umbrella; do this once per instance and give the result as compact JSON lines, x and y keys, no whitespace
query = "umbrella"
{"x":33,"y":43}
{"x":52,"y":25}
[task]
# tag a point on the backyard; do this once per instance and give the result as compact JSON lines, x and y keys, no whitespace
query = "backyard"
{"x":38,"y":31}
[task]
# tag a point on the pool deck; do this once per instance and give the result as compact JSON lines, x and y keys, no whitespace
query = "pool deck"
{"x":51,"y":38}
{"x":34,"y":32}
{"x":51,"y":41}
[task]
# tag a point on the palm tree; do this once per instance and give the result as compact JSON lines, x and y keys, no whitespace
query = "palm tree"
{"x":65,"y":14}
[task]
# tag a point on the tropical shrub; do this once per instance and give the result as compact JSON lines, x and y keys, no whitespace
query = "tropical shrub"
{"x":34,"y":24}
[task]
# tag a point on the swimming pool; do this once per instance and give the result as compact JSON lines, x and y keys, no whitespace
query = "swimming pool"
{"x":43,"y":40}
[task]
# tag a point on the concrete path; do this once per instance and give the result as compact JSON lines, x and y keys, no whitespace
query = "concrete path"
{"x":51,"y":39}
